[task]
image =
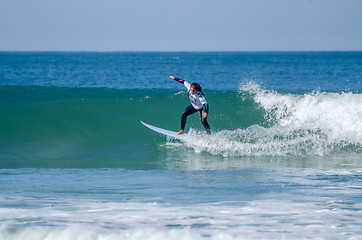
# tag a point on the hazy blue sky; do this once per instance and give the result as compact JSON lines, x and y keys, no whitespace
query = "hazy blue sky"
{"x":184,"y":25}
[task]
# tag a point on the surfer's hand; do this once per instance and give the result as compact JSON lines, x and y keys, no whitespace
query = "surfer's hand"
{"x":204,"y":114}
{"x":172,"y":77}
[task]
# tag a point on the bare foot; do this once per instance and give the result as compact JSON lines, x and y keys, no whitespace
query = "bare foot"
{"x":180,"y":132}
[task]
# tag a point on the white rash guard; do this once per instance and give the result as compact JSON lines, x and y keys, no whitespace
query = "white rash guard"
{"x":197,"y":100}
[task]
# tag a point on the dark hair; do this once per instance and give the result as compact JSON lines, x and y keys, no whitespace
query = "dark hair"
{"x":197,"y":87}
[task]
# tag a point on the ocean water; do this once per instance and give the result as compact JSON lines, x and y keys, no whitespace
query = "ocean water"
{"x":284,"y":160}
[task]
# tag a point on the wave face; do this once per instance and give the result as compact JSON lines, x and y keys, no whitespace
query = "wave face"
{"x":99,"y":127}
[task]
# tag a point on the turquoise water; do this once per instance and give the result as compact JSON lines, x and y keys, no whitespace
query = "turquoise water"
{"x":284,"y":159}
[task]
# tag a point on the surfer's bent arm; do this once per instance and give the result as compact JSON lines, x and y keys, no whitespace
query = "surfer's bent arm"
{"x":205,"y":106}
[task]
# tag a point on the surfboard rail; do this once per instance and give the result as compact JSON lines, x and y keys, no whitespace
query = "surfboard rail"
{"x":165,"y":132}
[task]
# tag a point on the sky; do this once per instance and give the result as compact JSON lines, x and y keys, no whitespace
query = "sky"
{"x":183,"y":25}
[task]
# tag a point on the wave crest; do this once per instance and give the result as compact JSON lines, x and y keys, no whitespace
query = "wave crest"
{"x":317,"y":123}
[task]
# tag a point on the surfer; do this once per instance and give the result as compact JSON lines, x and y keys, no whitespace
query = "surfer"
{"x":198,"y":104}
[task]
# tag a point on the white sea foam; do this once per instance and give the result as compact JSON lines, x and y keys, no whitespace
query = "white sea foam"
{"x":317,"y":123}
{"x":258,"y":219}
{"x":338,"y":115}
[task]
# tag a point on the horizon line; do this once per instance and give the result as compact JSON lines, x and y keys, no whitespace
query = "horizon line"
{"x":176,"y":51}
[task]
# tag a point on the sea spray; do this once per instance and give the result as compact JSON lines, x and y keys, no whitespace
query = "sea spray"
{"x":317,"y":123}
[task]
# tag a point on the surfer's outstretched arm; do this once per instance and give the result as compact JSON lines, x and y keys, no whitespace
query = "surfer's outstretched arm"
{"x":177,"y":79}
{"x":187,"y":84}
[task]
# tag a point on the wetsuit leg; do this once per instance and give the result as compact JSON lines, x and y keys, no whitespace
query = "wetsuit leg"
{"x":205,"y":123}
{"x":188,"y":111}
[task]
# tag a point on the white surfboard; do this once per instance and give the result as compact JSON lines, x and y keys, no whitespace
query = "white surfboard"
{"x":163,"y":131}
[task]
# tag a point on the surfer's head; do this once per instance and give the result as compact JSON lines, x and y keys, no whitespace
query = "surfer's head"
{"x":195,"y":87}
